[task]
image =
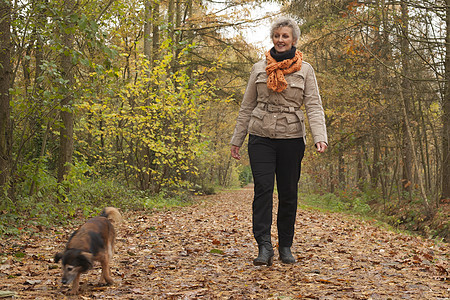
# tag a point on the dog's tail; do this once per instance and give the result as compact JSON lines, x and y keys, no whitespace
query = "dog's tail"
{"x":112,"y":214}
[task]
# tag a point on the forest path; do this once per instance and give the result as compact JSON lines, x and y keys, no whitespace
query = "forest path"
{"x":205,"y":251}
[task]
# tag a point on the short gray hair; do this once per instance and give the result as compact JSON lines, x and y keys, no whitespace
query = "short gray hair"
{"x":286,"y":22}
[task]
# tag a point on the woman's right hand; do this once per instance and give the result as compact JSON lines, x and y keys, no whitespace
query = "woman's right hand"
{"x":235,"y":152}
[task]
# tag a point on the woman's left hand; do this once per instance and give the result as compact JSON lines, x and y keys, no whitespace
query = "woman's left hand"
{"x":321,"y":146}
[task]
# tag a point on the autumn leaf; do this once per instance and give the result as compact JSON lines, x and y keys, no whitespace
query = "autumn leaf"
{"x":338,"y":257}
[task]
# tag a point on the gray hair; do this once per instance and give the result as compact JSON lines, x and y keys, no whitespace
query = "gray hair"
{"x":286,"y":22}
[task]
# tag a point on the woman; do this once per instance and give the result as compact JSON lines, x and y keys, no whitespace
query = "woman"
{"x":270,"y":113}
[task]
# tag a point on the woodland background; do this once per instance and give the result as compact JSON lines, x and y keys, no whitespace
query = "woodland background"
{"x":133,"y":103}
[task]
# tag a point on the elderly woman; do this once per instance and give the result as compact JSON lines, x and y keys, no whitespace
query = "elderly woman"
{"x":271,"y":114}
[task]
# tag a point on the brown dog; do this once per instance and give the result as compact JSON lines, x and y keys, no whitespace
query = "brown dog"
{"x":93,"y":241}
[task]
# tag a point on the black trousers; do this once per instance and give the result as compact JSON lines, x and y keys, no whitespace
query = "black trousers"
{"x":270,"y":159}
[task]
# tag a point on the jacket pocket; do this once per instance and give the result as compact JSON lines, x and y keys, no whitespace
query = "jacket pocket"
{"x":292,"y":125}
{"x":261,"y":86}
{"x":296,"y":86}
{"x":256,"y":123}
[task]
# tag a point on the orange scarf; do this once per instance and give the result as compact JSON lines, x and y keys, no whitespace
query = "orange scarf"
{"x":276,"y":70}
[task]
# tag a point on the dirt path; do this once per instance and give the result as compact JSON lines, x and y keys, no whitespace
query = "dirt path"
{"x":205,"y":252}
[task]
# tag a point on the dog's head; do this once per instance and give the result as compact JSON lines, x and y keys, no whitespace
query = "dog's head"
{"x":74,"y":262}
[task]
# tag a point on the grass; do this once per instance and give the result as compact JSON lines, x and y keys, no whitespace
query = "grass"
{"x":59,"y":205}
{"x":405,"y":218}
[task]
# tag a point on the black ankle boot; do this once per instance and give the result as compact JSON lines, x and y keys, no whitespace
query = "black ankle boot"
{"x":265,"y":255}
{"x":286,"y":255}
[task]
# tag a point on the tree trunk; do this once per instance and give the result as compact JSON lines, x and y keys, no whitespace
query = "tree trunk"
{"x":407,"y":180}
{"x":36,"y":121}
{"x":341,"y":167}
{"x":147,"y":30}
{"x":171,"y":32}
{"x":360,"y":174}
{"x":446,"y":114}
{"x":5,"y":108}
{"x":156,"y":24}
{"x":178,"y":36}
{"x":171,"y":20}
{"x":66,"y":113}
{"x":414,"y":158}
{"x":375,"y":176}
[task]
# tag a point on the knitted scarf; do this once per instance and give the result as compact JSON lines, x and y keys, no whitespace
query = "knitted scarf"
{"x":280,"y":64}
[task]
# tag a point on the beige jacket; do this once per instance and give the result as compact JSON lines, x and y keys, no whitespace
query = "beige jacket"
{"x":275,"y":115}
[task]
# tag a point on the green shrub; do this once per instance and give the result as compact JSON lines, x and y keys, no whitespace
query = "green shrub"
{"x":163,"y":200}
{"x":81,"y":194}
{"x":338,"y":203}
{"x":245,"y":176}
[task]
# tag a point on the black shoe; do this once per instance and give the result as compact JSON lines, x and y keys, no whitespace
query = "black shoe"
{"x":286,"y":255}
{"x":265,"y":255}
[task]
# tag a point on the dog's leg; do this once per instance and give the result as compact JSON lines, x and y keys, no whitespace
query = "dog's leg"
{"x":110,"y":256}
{"x":106,"y":272}
{"x":75,"y":285}
{"x":102,"y":276}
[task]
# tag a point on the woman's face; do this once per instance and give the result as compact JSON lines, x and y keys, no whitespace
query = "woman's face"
{"x":282,"y":39}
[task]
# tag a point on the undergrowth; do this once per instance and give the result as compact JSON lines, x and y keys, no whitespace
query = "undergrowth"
{"x":80,"y":195}
{"x":409,"y":216}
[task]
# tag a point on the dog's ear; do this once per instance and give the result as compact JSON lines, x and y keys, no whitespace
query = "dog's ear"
{"x":58,"y":257}
{"x":85,"y":261}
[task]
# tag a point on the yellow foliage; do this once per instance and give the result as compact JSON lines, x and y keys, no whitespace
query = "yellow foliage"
{"x":157,"y":128}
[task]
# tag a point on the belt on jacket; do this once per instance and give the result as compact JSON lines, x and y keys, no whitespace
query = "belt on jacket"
{"x":277,"y":108}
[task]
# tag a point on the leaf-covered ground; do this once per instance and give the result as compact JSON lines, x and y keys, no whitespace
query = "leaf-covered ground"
{"x":205,"y":251}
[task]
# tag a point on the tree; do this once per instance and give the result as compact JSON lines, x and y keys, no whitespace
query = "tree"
{"x":446,"y":112}
{"x":5,"y":80}
{"x":407,"y":149}
{"x":388,"y":55}
{"x":147,"y":28}
{"x":70,"y":62}
{"x":66,"y":104}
